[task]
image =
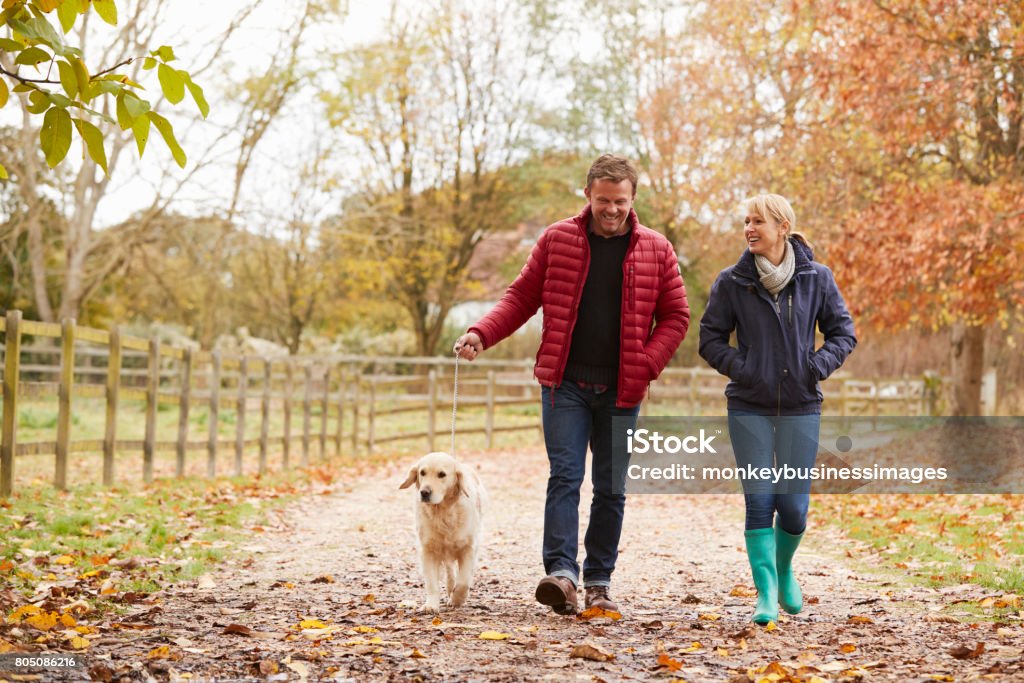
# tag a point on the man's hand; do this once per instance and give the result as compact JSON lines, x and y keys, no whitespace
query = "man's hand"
{"x":469,"y":345}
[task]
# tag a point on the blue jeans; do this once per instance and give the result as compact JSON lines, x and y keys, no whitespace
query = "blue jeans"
{"x":775,"y":441}
{"x":573,"y":417}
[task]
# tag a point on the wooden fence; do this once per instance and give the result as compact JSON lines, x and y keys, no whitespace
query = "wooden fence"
{"x":359,"y":402}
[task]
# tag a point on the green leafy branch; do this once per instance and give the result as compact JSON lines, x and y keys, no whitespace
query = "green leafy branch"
{"x":33,"y":41}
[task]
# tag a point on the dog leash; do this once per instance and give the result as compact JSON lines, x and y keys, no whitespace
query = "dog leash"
{"x":455,"y":399}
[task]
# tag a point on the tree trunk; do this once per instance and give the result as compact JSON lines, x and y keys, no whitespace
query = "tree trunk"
{"x":968,"y":367}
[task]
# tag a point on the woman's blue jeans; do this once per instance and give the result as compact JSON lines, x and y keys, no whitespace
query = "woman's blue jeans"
{"x":574,"y":417}
{"x":775,"y":441}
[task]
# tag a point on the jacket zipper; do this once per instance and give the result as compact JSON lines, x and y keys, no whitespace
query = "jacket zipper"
{"x":791,"y":310}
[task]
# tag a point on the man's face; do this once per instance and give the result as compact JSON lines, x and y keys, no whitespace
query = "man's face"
{"x":610,"y":203}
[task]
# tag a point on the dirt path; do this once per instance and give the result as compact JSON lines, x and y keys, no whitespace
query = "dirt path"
{"x":682,"y":557}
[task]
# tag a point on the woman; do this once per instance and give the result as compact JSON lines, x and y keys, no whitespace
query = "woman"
{"x":773,"y":298}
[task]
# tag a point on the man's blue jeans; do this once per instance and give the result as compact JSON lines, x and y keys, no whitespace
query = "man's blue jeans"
{"x":574,"y":417}
{"x":775,"y":441}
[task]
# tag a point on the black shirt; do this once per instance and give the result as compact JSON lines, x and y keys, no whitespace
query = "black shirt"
{"x":594,"y":353}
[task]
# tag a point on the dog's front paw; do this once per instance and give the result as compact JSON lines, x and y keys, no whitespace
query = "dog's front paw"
{"x":432,"y":605}
{"x":459,"y":596}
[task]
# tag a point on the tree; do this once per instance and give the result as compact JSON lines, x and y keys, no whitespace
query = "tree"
{"x":435,"y":112}
{"x":939,"y":243}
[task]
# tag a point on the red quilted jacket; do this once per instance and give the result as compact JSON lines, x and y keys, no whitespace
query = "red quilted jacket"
{"x":655,"y":315}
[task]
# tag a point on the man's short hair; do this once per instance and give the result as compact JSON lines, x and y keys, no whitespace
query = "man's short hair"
{"x":613,"y":168}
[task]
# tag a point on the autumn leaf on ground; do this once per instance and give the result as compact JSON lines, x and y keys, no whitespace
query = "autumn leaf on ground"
{"x":79,"y":643}
{"x":669,"y":663}
{"x":238,"y":630}
{"x":363,"y":629}
{"x":709,"y":616}
{"x":43,"y":622}
{"x":162,"y":652}
{"x":695,"y":646}
{"x":64,"y":559}
{"x":847,"y":648}
{"x":416,"y":654}
{"x":964,"y":652}
{"x":326,"y":578}
{"x":312,"y":623}
{"x":859,"y":620}
{"x":591,"y":652}
{"x":23,"y":611}
{"x":741,"y":591}
{"x":493,"y":635}
{"x":770,"y":627}
{"x":597,"y":613}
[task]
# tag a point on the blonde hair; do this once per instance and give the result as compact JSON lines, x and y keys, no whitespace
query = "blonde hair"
{"x":776,"y":207}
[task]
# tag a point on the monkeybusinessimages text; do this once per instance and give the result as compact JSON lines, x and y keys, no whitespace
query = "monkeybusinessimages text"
{"x":644,"y":442}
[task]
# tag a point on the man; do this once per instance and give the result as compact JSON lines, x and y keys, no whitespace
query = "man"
{"x":602,"y":280}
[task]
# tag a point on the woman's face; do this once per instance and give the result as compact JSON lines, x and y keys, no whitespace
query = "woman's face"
{"x":765,"y":237}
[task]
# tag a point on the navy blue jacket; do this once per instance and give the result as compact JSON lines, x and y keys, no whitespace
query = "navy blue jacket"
{"x":776,"y":369}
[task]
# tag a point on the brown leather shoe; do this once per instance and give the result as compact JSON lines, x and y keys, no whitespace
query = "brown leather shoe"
{"x":597,"y":596}
{"x":559,"y":593}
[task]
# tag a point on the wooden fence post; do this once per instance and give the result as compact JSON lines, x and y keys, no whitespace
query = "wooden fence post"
{"x":113,"y":389}
{"x":371,"y":415}
{"x":184,"y":404}
{"x":67,"y":379}
{"x":489,"y":423}
{"x":357,"y":379}
{"x":211,"y":443}
{"x":431,"y":409}
{"x":339,"y":435}
{"x":306,"y":405}
{"x":243,"y":385}
{"x":289,"y":388}
{"x":152,"y":385}
{"x":12,"y":362}
{"x":265,"y":413}
{"x":323,"y":412}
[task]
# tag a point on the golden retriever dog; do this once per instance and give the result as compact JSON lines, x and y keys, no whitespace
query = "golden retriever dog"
{"x":449,"y":512}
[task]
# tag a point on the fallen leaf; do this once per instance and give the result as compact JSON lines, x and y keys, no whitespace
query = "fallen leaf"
{"x":237,"y":630}
{"x":741,"y":591}
{"x":326,"y":578}
{"x":364,"y":629}
{"x":64,"y":559}
{"x":941,"y":618}
{"x":436,"y":621}
{"x":205,"y":582}
{"x":859,"y":620}
{"x":847,"y":648}
{"x":963,"y":652}
{"x":299,"y":668}
{"x":669,"y":663}
{"x":591,"y":652}
{"x":493,"y":635}
{"x":694,"y":647}
{"x":42,"y":622}
{"x":721,"y":651}
{"x":770,"y":627}
{"x":269,"y":667}
{"x":709,"y":616}
{"x":79,"y":643}
{"x":416,"y":654}
{"x":162,"y":652}
{"x":312,"y":623}
{"x":597,"y":613}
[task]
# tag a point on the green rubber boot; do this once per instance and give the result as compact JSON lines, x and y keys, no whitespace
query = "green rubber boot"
{"x":790,"y":597}
{"x":761,"y":553}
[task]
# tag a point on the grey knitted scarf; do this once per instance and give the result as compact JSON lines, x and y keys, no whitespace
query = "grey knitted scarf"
{"x":775,"y":278}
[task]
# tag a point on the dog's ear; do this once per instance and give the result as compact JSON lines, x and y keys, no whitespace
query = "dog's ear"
{"x":460,"y":478}
{"x":414,"y":476}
